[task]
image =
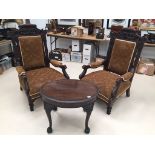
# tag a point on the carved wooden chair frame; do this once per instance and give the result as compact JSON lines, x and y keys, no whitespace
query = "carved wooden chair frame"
{"x":125,"y":34}
{"x":31,"y":30}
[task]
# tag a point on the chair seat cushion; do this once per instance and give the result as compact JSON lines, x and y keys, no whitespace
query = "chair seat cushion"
{"x":105,"y":81}
{"x":38,"y":77}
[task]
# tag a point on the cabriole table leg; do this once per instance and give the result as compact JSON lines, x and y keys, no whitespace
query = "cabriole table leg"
{"x":48,"y":113}
{"x":88,"y":109}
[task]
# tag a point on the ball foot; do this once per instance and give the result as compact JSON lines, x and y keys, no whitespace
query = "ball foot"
{"x":32,"y":108}
{"x":87,"y":130}
{"x":49,"y":130}
{"x":109,"y":110}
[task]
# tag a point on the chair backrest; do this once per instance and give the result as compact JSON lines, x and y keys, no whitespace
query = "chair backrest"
{"x":121,"y":56}
{"x":124,"y":51}
{"x":30,"y":47}
{"x":116,"y":28}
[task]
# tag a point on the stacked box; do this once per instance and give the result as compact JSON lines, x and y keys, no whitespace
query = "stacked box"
{"x":5,"y":63}
{"x":60,"y":54}
{"x":88,"y":54}
{"x":146,"y":66}
{"x":65,"y":56}
{"x":76,"y":56}
{"x":76,"y":46}
{"x":77,"y":31}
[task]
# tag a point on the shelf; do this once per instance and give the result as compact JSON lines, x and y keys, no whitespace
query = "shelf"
{"x":3,"y":42}
{"x":83,"y":37}
{"x":150,"y":45}
{"x":147,"y":29}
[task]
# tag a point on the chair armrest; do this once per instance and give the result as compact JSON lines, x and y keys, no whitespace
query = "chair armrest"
{"x":127,"y":76}
{"x":56,"y":63}
{"x":96,"y":64}
{"x":20,"y":70}
{"x":22,"y":75}
{"x":91,"y":65}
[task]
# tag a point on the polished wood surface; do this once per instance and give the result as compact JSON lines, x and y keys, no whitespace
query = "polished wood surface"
{"x":68,"y":94}
{"x":83,"y":37}
{"x":69,"y":90}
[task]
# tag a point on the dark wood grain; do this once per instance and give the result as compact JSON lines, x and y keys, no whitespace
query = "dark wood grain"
{"x":68,"y":94}
{"x":69,"y":90}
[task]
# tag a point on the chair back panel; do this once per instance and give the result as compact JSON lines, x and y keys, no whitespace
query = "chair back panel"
{"x":128,"y":35}
{"x":31,"y":48}
{"x":28,"y":31}
{"x":121,"y":56}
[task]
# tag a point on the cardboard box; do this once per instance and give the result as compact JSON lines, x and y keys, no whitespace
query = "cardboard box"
{"x":153,"y":60}
{"x":146,"y":66}
{"x":88,"y":54}
{"x":76,"y":56}
{"x":77,"y":31}
{"x":5,"y":63}
{"x":76,"y":46}
{"x":66,"y":56}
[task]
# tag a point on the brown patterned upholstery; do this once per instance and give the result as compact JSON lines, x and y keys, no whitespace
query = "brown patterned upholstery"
{"x":21,"y":81}
{"x":31,"y":51}
{"x":121,"y":56}
{"x":96,"y":64}
{"x":105,"y":81}
{"x":20,"y":70}
{"x":36,"y":78}
{"x":56,"y":63}
{"x":120,"y":63}
{"x":127,"y":76}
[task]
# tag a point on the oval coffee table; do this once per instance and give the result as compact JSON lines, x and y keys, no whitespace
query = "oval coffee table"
{"x":68,"y":94}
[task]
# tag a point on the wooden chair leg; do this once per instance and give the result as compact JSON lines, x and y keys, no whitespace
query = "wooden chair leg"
{"x":109,"y":107}
{"x":128,"y":92}
{"x":31,"y":105}
{"x":21,"y":88}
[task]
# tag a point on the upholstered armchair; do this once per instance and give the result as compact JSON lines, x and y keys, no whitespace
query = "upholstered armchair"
{"x":119,"y":67}
{"x":32,"y":62}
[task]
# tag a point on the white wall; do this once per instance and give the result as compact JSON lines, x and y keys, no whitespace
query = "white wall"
{"x":148,"y":52}
{"x":41,"y":23}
